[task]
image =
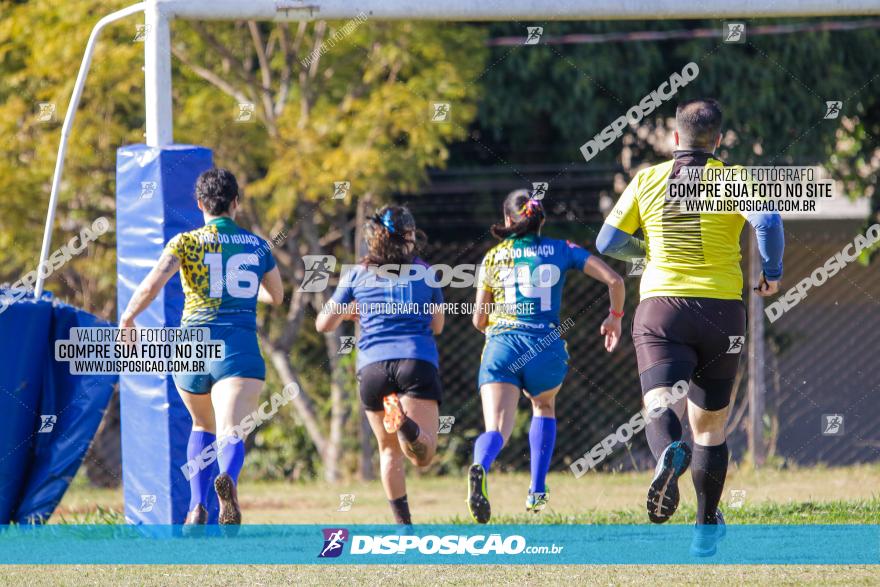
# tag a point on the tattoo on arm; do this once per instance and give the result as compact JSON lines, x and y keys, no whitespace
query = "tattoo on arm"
{"x":168,"y":264}
{"x":144,"y":294}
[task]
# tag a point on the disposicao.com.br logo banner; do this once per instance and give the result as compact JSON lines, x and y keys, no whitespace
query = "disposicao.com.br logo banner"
{"x":435,"y":544}
{"x":488,"y":544}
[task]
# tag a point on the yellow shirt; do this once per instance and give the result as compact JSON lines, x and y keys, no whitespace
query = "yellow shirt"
{"x":689,"y":255}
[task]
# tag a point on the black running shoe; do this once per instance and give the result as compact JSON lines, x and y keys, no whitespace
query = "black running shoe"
{"x":478,"y":495}
{"x":663,"y":493}
{"x":230,"y":514}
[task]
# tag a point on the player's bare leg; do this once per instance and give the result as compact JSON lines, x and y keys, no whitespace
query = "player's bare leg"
{"x":392,"y":462}
{"x":233,"y":399}
{"x":425,"y":414}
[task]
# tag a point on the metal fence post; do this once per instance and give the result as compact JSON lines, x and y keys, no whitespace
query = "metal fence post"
{"x":757,"y":388}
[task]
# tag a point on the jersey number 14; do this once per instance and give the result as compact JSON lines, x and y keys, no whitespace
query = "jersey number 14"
{"x":537,"y":284}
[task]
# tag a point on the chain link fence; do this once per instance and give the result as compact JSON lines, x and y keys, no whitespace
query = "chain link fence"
{"x":822,"y":354}
{"x":820,"y":359}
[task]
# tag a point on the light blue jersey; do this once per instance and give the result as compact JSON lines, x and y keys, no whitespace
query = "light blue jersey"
{"x":395,"y":315}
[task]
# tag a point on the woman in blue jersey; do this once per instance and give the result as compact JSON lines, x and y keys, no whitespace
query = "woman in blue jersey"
{"x":519,"y":296}
{"x":225,"y":270}
{"x":397,"y":361}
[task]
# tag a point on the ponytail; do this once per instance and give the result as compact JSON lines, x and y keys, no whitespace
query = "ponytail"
{"x":525,"y":212}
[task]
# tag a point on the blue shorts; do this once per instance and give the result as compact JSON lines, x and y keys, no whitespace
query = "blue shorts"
{"x":242,"y":359}
{"x":518,"y":359}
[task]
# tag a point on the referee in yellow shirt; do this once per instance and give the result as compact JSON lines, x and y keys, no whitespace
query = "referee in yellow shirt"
{"x":690,"y":324}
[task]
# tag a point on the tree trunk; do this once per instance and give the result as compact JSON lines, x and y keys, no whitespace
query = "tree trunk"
{"x":365,"y":466}
{"x":338,"y":410}
{"x":332,"y":457}
{"x":280,"y":348}
{"x":301,"y":403}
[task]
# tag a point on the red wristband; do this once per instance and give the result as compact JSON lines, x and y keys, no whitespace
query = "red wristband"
{"x":615,"y":314}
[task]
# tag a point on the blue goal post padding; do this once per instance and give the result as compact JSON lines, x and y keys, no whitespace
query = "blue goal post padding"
{"x":155,"y":200}
{"x":49,"y":415}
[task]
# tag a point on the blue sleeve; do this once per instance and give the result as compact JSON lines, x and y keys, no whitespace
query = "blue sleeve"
{"x":437,"y":295}
{"x":345,"y":290}
{"x":577,"y":256}
{"x":771,"y":242}
{"x":270,"y":262}
{"x":618,"y":244}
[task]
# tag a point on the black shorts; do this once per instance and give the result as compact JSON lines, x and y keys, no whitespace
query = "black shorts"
{"x":412,"y":377}
{"x":698,"y":340}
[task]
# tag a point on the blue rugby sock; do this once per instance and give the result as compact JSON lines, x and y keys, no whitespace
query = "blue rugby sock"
{"x":487,"y":447}
{"x":201,"y":481}
{"x":542,"y":438}
{"x":231,"y":458}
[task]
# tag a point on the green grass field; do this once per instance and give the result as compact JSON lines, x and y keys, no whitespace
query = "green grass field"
{"x":207,"y":576}
{"x":802,"y":496}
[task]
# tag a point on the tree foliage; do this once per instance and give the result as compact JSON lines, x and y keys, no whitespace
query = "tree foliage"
{"x":41,"y":45}
{"x":772,"y":89}
{"x":332,"y":102}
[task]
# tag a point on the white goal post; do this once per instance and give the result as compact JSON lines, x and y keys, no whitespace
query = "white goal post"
{"x":159,"y":13}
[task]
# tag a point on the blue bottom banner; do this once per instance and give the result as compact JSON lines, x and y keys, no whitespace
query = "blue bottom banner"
{"x":439,"y":544}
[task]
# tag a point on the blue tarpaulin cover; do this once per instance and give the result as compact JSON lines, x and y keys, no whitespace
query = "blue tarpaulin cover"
{"x":49,"y":415}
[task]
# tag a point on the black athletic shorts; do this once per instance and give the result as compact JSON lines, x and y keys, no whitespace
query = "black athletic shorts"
{"x":412,"y":377}
{"x":698,"y":340}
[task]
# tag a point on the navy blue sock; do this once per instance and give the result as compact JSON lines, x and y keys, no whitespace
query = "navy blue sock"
{"x":201,"y":480}
{"x":231,"y":458}
{"x":542,"y":439}
{"x":487,"y":447}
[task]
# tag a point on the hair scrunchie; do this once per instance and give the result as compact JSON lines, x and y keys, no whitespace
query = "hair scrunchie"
{"x":384,"y":220}
{"x":530,"y":208}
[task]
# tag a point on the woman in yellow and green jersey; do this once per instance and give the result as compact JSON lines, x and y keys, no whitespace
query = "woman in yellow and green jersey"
{"x":225,"y":270}
{"x":519,"y":299}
